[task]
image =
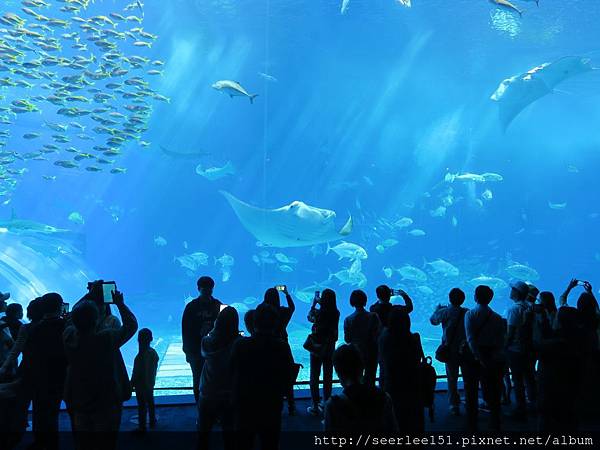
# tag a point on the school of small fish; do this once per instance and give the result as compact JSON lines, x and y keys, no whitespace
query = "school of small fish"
{"x":79,"y":76}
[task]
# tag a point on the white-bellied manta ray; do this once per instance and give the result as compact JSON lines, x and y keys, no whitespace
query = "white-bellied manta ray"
{"x":293,"y":225}
{"x":516,"y":93}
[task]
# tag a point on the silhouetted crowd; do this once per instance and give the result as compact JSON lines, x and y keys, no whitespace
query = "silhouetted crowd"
{"x":542,"y":358}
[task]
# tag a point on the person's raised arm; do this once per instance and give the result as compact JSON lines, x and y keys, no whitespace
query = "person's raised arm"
{"x":130,"y":325}
{"x":407,"y":301}
{"x":290,"y":301}
{"x":565,"y":295}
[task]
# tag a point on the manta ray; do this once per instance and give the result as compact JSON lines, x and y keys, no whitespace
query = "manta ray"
{"x":293,"y":225}
{"x":516,"y":93}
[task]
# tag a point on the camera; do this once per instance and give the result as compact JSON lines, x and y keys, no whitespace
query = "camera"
{"x":396,"y":292}
{"x":280,"y":287}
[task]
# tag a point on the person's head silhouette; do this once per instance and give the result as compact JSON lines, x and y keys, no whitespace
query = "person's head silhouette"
{"x":206,"y":286}
{"x":348,"y":365}
{"x":519,"y":291}
{"x":384,"y":293}
{"x":456,"y":296}
{"x":266,"y":319}
{"x":227,"y":325}
{"x":272,"y":298}
{"x":548,"y":301}
{"x":35,"y":310}
{"x":52,"y":304}
{"x":144,"y":337}
{"x":483,"y":295}
{"x":14,"y":311}
{"x":358,"y":299}
{"x":328,"y":300}
{"x":85,"y":317}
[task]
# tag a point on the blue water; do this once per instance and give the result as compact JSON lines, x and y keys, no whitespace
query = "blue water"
{"x":368,"y":112}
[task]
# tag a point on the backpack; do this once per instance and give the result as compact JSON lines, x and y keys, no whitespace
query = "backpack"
{"x":428,"y":377}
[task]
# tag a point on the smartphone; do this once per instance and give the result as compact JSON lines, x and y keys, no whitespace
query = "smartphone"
{"x":64,"y":309}
{"x":581,"y":282}
{"x":108,"y":287}
{"x":396,"y":292}
{"x":280,"y":287}
{"x":222,"y":307}
{"x":317,"y":296}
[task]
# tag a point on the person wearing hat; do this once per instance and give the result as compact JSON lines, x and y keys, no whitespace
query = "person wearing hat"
{"x":519,"y":346}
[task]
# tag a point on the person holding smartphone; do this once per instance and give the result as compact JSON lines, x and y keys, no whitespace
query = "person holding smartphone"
{"x":284,"y":314}
{"x":94,"y":392}
{"x":383,"y":306}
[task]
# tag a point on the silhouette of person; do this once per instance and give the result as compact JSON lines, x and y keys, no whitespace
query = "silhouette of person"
{"x":519,"y":346}
{"x":14,"y":412}
{"x":6,"y":341}
{"x":285,"y":314}
{"x":452,"y":320}
{"x":361,"y":329}
{"x":45,"y":355}
{"x":12,"y":320}
{"x":383,"y":306}
{"x":325,"y":320}
{"x":143,"y":379}
{"x":360,"y":407}
{"x":94,"y":393}
{"x":484,"y":358}
{"x":589,"y":321}
{"x":198,"y":319}
{"x":400,"y":353}
{"x":262,"y":369}
{"x":214,"y":404}
{"x":561,"y":367}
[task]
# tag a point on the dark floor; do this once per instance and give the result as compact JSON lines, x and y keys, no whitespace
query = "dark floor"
{"x":176,"y":414}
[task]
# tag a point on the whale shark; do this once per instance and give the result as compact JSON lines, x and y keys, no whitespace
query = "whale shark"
{"x":516,"y":93}
{"x":293,"y":225}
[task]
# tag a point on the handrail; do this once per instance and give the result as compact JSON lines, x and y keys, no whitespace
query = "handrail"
{"x":297,"y":383}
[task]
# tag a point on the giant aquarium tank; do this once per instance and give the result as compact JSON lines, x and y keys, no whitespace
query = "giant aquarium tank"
{"x":346,"y":144}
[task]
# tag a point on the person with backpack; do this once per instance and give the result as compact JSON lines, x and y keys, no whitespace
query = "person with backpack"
{"x":483,"y":358}
{"x":451,"y":318}
{"x":519,"y":347}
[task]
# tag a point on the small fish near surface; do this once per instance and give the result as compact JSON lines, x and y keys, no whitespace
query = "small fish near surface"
{"x":216,"y":173}
{"x":233,"y":89}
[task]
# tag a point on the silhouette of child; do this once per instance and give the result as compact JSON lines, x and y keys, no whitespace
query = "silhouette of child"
{"x":144,"y":377}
